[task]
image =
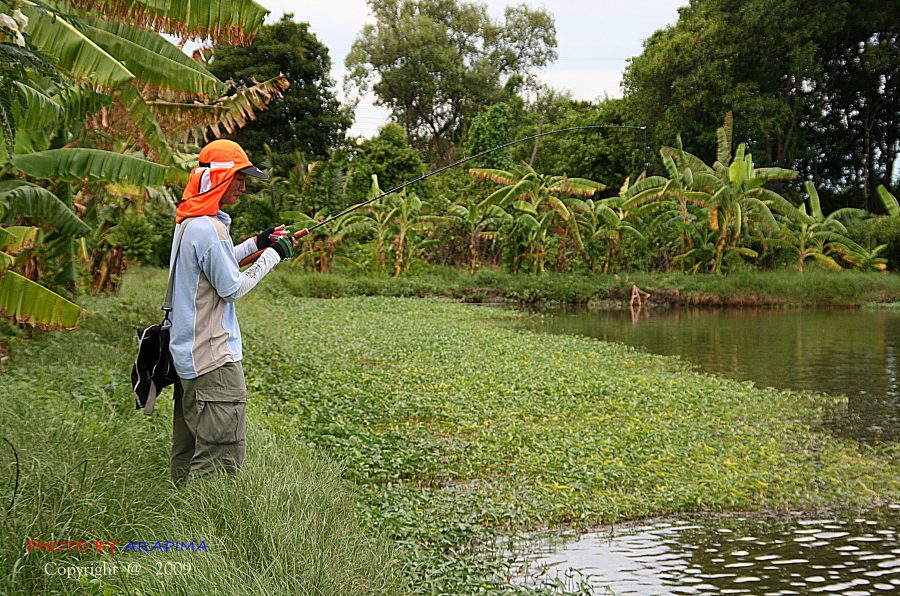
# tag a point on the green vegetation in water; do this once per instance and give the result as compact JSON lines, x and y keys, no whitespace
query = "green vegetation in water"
{"x":454,"y":429}
{"x":882,"y":306}
{"x":458,"y":429}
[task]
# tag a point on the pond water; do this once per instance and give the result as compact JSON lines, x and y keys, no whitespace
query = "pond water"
{"x":837,"y":351}
{"x":724,"y":555}
{"x":842,"y":352}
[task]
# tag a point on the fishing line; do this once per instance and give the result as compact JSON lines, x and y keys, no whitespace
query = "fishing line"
{"x":462,"y":161}
{"x":305,"y":231}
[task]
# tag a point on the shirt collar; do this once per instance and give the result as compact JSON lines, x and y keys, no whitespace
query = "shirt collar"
{"x":223,"y":217}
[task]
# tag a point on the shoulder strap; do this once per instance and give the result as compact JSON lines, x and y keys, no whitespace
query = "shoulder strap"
{"x":167,"y":305}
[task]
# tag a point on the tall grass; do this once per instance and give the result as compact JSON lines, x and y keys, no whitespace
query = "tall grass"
{"x":92,"y":468}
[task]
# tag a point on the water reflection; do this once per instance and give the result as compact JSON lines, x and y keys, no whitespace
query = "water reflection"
{"x":833,"y":351}
{"x":728,"y":555}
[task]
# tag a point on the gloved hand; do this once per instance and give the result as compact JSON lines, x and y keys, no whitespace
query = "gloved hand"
{"x":264,"y":240}
{"x":284,"y":247}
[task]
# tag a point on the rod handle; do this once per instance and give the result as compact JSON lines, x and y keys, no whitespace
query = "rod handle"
{"x":251,"y":258}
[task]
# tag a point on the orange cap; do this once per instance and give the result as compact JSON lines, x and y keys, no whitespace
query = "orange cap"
{"x":219,"y":162}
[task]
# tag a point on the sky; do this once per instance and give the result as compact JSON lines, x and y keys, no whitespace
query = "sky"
{"x":594,"y":40}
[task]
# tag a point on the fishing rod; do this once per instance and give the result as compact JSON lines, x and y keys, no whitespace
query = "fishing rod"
{"x":301,"y":233}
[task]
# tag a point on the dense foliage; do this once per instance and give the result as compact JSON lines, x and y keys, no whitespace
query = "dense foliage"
{"x":307,"y":118}
{"x":99,"y":113}
{"x":815,"y":90}
{"x":662,"y":186}
{"x":699,"y":217}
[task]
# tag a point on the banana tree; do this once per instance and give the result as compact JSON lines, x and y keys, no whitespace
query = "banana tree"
{"x":116,"y":46}
{"x":380,"y":215}
{"x":538,"y":204}
{"x":603,"y":225}
{"x":406,"y":222}
{"x":318,"y":249}
{"x":737,"y":193}
{"x":480,"y":221}
{"x":671,"y":202}
{"x":810,"y":234}
{"x":63,"y":62}
{"x":732,"y":191}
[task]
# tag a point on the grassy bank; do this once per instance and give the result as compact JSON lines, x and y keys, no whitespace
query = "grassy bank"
{"x":454,"y":429}
{"x":752,"y":288}
{"x":92,"y":468}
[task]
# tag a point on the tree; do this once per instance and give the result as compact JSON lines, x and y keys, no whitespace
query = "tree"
{"x":387,"y":156}
{"x":308,"y":118}
{"x":605,"y":222}
{"x":54,"y":61}
{"x":492,"y":127}
{"x":436,"y":63}
{"x":813,"y":235}
{"x":815,"y":90}
{"x":477,"y":219}
{"x":612,"y":154}
{"x":732,"y":191}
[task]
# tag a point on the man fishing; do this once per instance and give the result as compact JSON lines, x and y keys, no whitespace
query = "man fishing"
{"x":210,"y":427}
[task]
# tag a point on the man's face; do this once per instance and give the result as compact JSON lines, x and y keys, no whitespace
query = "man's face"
{"x":234,"y":190}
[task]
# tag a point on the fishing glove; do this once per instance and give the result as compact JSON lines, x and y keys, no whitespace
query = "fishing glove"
{"x":264,"y":238}
{"x":284,"y":247}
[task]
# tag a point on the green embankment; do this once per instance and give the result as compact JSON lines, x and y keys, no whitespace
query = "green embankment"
{"x":450,"y":428}
{"x":93,"y":468}
{"x":752,"y":288}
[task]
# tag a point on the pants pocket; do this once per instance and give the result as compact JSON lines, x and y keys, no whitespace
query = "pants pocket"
{"x":221,"y":416}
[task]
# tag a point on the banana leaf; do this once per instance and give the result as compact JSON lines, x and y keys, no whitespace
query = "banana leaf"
{"x":525,"y":207}
{"x":228,"y":22}
{"x":15,"y":239}
{"x":723,"y":140}
{"x":29,"y":200}
{"x":781,"y":204}
{"x":143,"y":118}
{"x":24,"y":301}
{"x":150,"y":40}
{"x":766,"y":174}
{"x":685,"y":159}
{"x":669,"y":164}
{"x":528,"y":221}
{"x":496,"y":176}
{"x":72,"y":50}
{"x":230,"y":112}
{"x":41,"y":110}
{"x":578,"y":186}
{"x":152,"y":67}
{"x":827,"y":261}
{"x":91,"y":164}
{"x":652,"y":182}
{"x":891,"y":206}
{"x":559,"y":207}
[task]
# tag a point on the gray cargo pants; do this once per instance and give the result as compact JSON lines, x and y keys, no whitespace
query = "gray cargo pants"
{"x":209,"y":434}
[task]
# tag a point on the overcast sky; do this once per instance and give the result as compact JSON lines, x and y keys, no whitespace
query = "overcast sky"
{"x":595,"y":38}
